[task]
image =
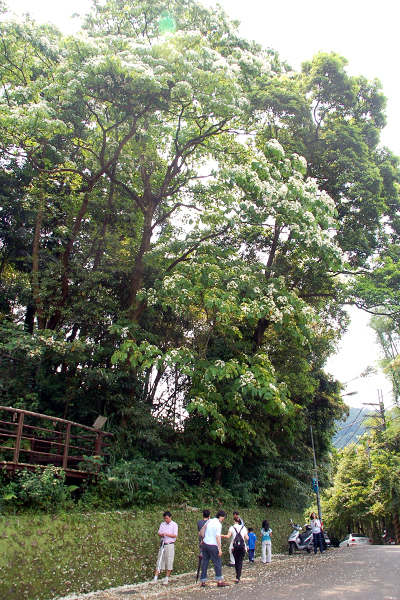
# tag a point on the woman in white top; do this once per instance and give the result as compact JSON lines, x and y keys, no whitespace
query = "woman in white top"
{"x":238,"y":550}
{"x":316,"y":528}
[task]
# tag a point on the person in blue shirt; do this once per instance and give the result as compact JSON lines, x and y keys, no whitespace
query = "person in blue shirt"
{"x":266,"y":546}
{"x":252,"y":544}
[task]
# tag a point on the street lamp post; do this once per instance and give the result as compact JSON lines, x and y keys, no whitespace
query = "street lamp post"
{"x":316,"y":488}
{"x":316,"y":473}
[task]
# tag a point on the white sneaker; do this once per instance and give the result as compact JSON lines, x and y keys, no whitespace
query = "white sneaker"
{"x":165,"y":582}
{"x":154,"y":581}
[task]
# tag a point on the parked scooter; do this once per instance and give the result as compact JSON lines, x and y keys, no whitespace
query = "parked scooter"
{"x":387,"y":539}
{"x":300,"y":541}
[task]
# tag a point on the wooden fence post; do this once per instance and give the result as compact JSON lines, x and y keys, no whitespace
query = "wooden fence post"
{"x":98,"y":443}
{"x":66,"y":446}
{"x":18,"y":438}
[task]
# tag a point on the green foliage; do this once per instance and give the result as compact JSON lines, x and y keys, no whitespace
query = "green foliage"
{"x":91,"y":464}
{"x":194,"y":309}
{"x":388,"y":337}
{"x":366,"y":490}
{"x":134,"y":483}
{"x":44,"y":490}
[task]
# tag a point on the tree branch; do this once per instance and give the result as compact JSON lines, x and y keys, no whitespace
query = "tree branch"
{"x":195,"y":246}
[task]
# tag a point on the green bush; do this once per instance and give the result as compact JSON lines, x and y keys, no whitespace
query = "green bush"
{"x":137,"y":482}
{"x":45,"y":489}
{"x":141,"y":482}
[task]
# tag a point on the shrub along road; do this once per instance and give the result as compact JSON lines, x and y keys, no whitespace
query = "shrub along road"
{"x":371,"y":573}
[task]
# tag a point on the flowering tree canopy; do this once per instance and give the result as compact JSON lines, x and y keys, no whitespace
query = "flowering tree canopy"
{"x":166,"y":250}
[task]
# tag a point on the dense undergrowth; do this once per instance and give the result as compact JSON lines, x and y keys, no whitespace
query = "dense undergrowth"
{"x":135,"y":483}
{"x":45,"y":556}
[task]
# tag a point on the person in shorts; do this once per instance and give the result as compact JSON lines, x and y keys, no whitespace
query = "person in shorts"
{"x":168,"y":531}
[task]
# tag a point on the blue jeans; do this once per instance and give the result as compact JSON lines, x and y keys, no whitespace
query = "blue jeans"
{"x":211,"y":552}
{"x":318,"y":542}
{"x":251,"y":554}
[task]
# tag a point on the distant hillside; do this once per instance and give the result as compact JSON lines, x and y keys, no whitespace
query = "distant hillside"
{"x":351,"y":429}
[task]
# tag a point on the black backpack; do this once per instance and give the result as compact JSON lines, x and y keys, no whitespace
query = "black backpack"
{"x":238,"y":542}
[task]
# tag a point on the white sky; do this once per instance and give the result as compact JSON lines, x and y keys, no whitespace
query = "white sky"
{"x":367,"y":34}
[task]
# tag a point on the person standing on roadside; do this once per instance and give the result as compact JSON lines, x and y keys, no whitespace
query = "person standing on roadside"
{"x":316,"y":529}
{"x":203,"y":521}
{"x":231,"y":557}
{"x":200,"y":524}
{"x":212,"y":549}
{"x":168,"y":532}
{"x":239,"y":534}
{"x":252,"y":544}
{"x":266,"y":544}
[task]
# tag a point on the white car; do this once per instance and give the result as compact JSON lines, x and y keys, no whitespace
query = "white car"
{"x":355,"y":539}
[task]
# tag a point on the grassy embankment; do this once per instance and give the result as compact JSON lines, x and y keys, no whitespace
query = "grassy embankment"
{"x":46,"y":556}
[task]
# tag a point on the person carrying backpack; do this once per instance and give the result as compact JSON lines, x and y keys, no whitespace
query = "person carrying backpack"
{"x":231,"y":557}
{"x":239,"y":534}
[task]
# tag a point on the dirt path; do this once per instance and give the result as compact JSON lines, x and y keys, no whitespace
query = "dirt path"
{"x":184,"y":583}
{"x":184,"y":586}
{"x":365,"y":573}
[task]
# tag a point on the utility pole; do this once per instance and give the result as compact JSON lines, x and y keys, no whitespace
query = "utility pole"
{"x":382,"y":417}
{"x":382,"y":410}
{"x":379,"y":412}
{"x":316,"y":474}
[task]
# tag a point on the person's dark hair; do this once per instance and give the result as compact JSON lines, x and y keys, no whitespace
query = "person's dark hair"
{"x":250,"y":529}
{"x":206,"y":513}
{"x":265,"y":525}
{"x":220,"y":513}
{"x":237,"y":519}
{"x":235,"y":512}
{"x":313,"y":517}
{"x":167,"y":514}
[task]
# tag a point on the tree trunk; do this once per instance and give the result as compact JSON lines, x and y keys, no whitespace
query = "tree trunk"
{"x":258,"y":336}
{"x":218,"y":475}
{"x":106,"y":220}
{"x":35,"y":267}
{"x":396,"y":523}
{"x":263,"y":323}
{"x":54,"y":319}
{"x":137,"y":275}
{"x":29,"y":317}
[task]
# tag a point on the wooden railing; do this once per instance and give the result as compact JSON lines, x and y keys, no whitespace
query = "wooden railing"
{"x":29,"y":439}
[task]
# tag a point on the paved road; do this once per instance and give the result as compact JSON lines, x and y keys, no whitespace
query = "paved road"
{"x":371,"y":573}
